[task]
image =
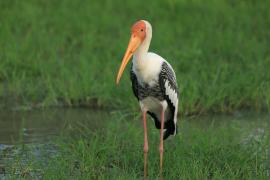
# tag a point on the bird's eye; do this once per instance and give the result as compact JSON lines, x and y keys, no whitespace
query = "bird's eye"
{"x":142,"y":30}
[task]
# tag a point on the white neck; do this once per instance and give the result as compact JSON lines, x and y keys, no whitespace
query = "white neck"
{"x":140,"y":53}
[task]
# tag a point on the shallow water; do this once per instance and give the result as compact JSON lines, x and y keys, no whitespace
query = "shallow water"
{"x":34,"y":132}
{"x":41,"y":126}
{"x":244,"y":117}
{"x":37,"y":129}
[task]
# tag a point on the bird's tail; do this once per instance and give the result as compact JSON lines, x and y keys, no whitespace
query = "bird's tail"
{"x":166,"y":134}
{"x":169,"y":131}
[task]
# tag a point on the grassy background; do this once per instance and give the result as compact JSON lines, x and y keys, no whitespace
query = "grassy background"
{"x":68,"y":52}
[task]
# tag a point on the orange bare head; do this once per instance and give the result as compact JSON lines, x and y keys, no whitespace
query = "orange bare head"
{"x":139,"y":29}
{"x":138,"y":33}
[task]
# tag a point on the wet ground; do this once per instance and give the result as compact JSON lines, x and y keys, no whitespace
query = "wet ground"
{"x":37,"y":130}
{"x":22,"y":132}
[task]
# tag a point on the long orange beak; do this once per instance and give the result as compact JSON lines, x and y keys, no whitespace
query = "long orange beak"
{"x":134,"y":43}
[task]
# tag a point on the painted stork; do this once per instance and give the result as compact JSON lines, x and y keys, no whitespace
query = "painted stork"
{"x":154,"y":85}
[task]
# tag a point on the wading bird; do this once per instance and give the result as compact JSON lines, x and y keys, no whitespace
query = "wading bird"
{"x":153,"y":83}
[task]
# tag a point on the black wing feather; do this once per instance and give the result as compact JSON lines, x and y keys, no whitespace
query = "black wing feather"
{"x":167,"y":75}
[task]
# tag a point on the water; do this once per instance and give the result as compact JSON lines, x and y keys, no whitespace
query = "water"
{"x":34,"y":132}
{"x":244,"y":118}
{"x":37,"y":129}
{"x":41,"y":126}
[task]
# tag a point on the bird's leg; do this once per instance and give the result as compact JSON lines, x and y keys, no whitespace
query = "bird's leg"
{"x":145,"y":148}
{"x":161,"y":142}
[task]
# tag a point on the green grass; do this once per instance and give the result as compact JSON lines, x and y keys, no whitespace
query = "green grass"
{"x":234,"y":150}
{"x":68,"y":52}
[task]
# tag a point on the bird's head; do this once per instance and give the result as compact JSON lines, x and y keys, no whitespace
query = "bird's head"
{"x":139,"y":32}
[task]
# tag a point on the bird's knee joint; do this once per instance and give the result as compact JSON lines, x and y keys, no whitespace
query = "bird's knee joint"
{"x":161,"y":150}
{"x":145,"y":149}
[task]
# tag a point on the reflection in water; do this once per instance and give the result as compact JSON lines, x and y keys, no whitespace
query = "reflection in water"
{"x":42,"y":125}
